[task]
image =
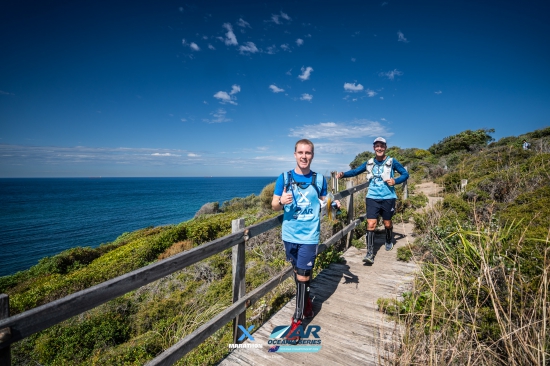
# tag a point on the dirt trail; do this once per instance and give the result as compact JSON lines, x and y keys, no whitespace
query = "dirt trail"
{"x":432,"y":190}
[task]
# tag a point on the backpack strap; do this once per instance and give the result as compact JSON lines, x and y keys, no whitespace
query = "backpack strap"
{"x":315,"y":184}
{"x":370,"y":165}
{"x":388,"y":167}
{"x":287,"y":177}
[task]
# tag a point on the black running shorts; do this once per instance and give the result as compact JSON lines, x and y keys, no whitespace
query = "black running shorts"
{"x":384,"y":208}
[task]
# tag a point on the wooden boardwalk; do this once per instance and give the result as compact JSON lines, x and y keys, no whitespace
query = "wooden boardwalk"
{"x":353,"y":331}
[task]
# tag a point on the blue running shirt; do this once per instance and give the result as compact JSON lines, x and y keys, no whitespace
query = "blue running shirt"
{"x":301,"y":220}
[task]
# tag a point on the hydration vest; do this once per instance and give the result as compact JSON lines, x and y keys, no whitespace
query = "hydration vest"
{"x":386,"y":174}
{"x":288,"y":180}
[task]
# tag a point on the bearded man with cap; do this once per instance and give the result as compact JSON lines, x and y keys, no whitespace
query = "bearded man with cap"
{"x":381,"y":195}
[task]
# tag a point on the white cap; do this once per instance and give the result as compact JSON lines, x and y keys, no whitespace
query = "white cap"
{"x":379,"y":139}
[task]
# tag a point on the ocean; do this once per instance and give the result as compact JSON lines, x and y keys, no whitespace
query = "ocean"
{"x":43,"y":217}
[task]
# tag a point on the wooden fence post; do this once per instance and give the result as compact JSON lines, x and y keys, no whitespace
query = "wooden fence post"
{"x":405,"y":188}
{"x":239,"y":284}
{"x":349,"y":208}
{"x":5,"y":353}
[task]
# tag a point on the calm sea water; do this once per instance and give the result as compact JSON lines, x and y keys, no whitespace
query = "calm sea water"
{"x":43,"y":217}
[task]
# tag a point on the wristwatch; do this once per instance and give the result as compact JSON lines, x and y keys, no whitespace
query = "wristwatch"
{"x":280,"y":202}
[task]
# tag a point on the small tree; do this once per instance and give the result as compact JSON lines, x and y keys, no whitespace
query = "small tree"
{"x":464,"y":141}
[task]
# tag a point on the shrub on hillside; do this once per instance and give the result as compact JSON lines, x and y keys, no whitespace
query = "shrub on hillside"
{"x":208,"y":209}
{"x":464,"y":141}
{"x":266,"y":196}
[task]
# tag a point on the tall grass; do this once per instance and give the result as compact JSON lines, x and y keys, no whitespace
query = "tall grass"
{"x":475,"y":301}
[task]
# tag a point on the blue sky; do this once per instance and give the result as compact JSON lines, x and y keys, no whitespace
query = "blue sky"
{"x":220,"y":88}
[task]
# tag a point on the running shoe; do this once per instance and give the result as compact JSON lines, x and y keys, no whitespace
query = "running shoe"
{"x":295,"y":339}
{"x":389,"y":246}
{"x":368,"y":259}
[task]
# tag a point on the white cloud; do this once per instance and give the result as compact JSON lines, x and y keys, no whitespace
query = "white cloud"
{"x":192,"y":155}
{"x":211,"y":47}
{"x":271,"y":50}
{"x":289,"y":72}
{"x":351,"y":130}
{"x":243,"y":23}
{"x":299,"y":41}
{"x":352,"y":87}
{"x":275,"y":89}
{"x":223,"y":97}
{"x":438,"y":92}
{"x":370,"y":93}
{"x":248,"y":47}
{"x":164,"y":154}
{"x":194,"y":46}
{"x":306,"y":73}
{"x":276,"y":18}
{"x":231,"y":39}
{"x":235,"y":89}
{"x":285,"y":47}
{"x":353,"y":59}
{"x":219,"y":116}
{"x":230,"y":97}
{"x":401,"y":37}
{"x":183,"y":119}
{"x":391,"y":74}
{"x":307,"y":97}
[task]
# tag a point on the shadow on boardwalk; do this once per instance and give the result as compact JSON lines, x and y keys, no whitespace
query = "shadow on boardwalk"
{"x":352,"y":331}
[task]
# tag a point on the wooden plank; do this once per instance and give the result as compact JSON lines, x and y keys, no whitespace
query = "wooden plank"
{"x":341,"y":234}
{"x":5,"y":333}
{"x":349,"y":208}
{"x":353,"y":330}
{"x":180,"y":349}
{"x":238,"y":274}
{"x":347,"y":192}
{"x":42,"y":317}
{"x":264,"y":226}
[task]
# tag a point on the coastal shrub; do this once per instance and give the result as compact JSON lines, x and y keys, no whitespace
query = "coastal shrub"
{"x":239,"y":204}
{"x":207,"y":228}
{"x":208,"y":209}
{"x":75,"y":342}
{"x":464,"y":141}
{"x":360,"y":159}
{"x":266,"y":196}
{"x":176,"y":248}
{"x":404,"y":254}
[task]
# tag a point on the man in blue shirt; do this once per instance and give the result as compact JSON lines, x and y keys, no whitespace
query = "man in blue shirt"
{"x":381,"y":195}
{"x":300,"y":193}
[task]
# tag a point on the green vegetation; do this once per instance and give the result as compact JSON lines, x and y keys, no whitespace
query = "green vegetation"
{"x":481,"y":296}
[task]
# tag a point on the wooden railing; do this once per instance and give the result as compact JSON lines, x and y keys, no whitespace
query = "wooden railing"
{"x":20,"y":326}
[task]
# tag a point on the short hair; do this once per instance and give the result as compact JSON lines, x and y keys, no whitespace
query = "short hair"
{"x":305,"y":142}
